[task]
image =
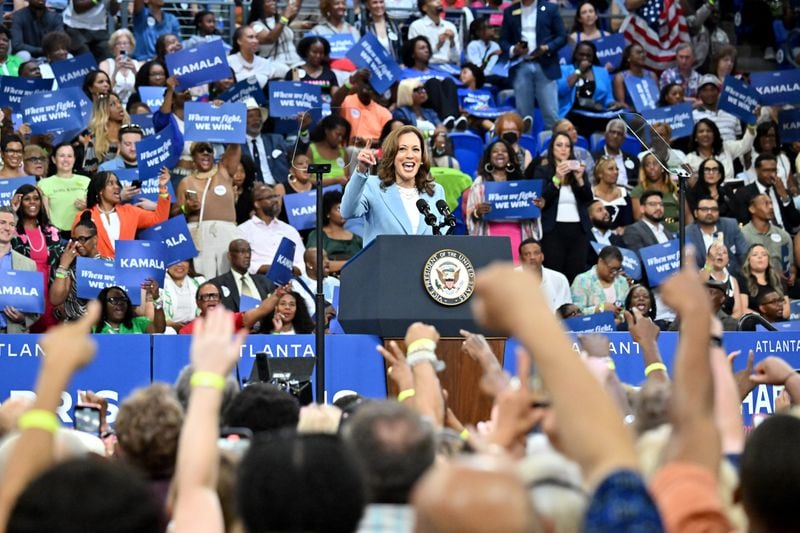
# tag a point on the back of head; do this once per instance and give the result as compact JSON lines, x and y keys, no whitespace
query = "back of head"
{"x":262,"y":407}
{"x":86,"y":496}
{"x":299,"y":483}
{"x":394,"y":446}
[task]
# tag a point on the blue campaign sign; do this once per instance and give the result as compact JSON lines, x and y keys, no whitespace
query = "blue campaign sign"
{"x":199,"y":65}
{"x":288,"y":98}
{"x":609,"y":49}
{"x":9,"y":186}
{"x":370,"y":54}
{"x":794,"y":310}
{"x":777,"y":87}
{"x":22,"y":290}
{"x":596,"y":323}
{"x":55,"y":111}
{"x":512,"y":200}
{"x":149,"y":187}
{"x":209,"y":123}
{"x":301,"y":208}
{"x":340,"y":44}
{"x":474,"y":98}
{"x":739,"y":99}
{"x":789,"y":120}
{"x":155,"y":152}
{"x":174,"y":234}
{"x":660,"y":261}
{"x":152,"y":96}
{"x":565,"y":54}
{"x":244,"y":89}
{"x":93,"y":275}
{"x":135,"y":261}
{"x":247,"y":303}
{"x":280,"y":272}
{"x":70,"y":72}
{"x":630,"y":261}
{"x":144,"y":121}
{"x":14,"y":89}
{"x":679,"y":117}
{"x":643,"y":92}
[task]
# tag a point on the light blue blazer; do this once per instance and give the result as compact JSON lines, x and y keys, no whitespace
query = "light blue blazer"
{"x":383,"y":209}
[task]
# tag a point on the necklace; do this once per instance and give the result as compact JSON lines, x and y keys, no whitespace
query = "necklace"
{"x":43,"y":242}
{"x":207,"y":174}
{"x":112,"y":328}
{"x":408,"y":194}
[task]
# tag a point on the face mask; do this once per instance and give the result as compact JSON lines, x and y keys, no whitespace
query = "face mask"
{"x":439,"y":152}
{"x":510,"y":137}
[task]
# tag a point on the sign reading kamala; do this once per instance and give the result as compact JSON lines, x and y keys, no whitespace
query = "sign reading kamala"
{"x":53,"y":111}
{"x":8,"y":187}
{"x":280,"y":273}
{"x":93,"y":275}
{"x":22,"y":290}
{"x":596,"y":323}
{"x":223,"y":124}
{"x":152,"y":96}
{"x":14,"y":89}
{"x":739,"y":99}
{"x":135,"y":261}
{"x":289,"y":98}
{"x":155,"y":152}
{"x":789,"y":119}
{"x":512,"y":200}
{"x":777,"y":87}
{"x":679,"y":117}
{"x":244,"y":89}
{"x":301,"y":208}
{"x":198,"y":65}
{"x":144,"y":121}
{"x":642,"y":91}
{"x":609,"y":49}
{"x":369,"y":53}
{"x":174,"y":234}
{"x":661,"y":261}
{"x":70,"y":72}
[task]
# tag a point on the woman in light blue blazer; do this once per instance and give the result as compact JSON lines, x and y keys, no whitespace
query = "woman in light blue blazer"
{"x":388,"y":201}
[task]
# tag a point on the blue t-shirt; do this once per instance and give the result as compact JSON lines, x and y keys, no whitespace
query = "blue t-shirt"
{"x":147,"y":30}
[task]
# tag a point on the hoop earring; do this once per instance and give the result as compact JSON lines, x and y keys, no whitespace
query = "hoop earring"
{"x":510,"y":168}
{"x":488,"y":167}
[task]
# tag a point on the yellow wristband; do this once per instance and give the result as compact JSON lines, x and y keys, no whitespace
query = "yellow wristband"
{"x":207,"y":379}
{"x":406,"y":394}
{"x":284,"y":20}
{"x":39,"y":419}
{"x":610,"y":364}
{"x":421,"y":344}
{"x":653,"y":367}
{"x":464,"y":435}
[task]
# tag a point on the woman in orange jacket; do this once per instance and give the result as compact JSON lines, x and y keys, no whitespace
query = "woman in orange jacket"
{"x":116,"y":221}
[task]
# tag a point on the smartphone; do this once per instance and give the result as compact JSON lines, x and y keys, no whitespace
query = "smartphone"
{"x":573,"y":164}
{"x":123,"y":54}
{"x":86,"y":418}
{"x":191,"y":195}
{"x":137,"y":184}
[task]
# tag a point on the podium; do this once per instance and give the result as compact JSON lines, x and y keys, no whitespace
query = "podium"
{"x":400,"y":279}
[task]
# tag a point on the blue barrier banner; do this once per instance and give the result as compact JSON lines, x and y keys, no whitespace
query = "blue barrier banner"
{"x":340,"y":44}
{"x":789,"y":121}
{"x":174,"y":235}
{"x":777,"y":87}
{"x":155,"y":152}
{"x":135,"y":261}
{"x":630,"y":261}
{"x":596,"y":323}
{"x":199,"y":65}
{"x":369,"y":53}
{"x":794,"y":310}
{"x":609,"y":49}
{"x":247,"y":303}
{"x":149,"y":187}
{"x":280,"y":273}
{"x":679,"y":117}
{"x":738,"y":99}
{"x":144,"y":121}
{"x":643,"y":92}
{"x":9,"y":186}
{"x":22,"y":290}
{"x":301,"y":208}
{"x":152,"y":96}
{"x":660,"y":261}
{"x":223,"y":124}
{"x":244,"y":89}
{"x":789,"y":325}
{"x":512,"y":200}
{"x":14,"y":89}
{"x":289,"y":98}
{"x":71,"y":72}
{"x":55,"y":111}
{"x":122,"y":364}
{"x":94,"y":275}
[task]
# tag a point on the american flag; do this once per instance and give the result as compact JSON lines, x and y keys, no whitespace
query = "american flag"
{"x":658,"y":26}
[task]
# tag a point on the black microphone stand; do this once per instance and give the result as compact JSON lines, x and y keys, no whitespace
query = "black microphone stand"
{"x":317,"y":170}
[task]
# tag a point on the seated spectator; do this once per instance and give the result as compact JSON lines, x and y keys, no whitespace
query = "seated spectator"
{"x":167,"y":43}
{"x":129,"y":135}
{"x":333,"y":14}
{"x":339,"y":243}
{"x":614,"y":198}
{"x":178,"y":294}
{"x":388,"y":33}
{"x":653,"y":177}
{"x":315,"y":51}
{"x":585,"y":86}
{"x":11,"y":149}
{"x":786,"y":216}
{"x":290,"y":316}
{"x":442,"y":151}
{"x":482,"y":49}
{"x":723,"y":62}
{"x":206,"y":31}
{"x":362,"y":109}
{"x":117,"y":314}
{"x":64,"y":192}
{"x":651,"y":227}
{"x":108,"y":116}
{"x":708,"y":226}
{"x":602,"y":287}
{"x":9,"y":63}
{"x":770,"y":306}
{"x":437,"y":30}
{"x":683,"y":73}
{"x":411,"y":97}
{"x":758,"y":277}
{"x":641,"y":298}
{"x":150,"y":21}
{"x":245,"y":63}
{"x":306,"y":285}
{"x":441,"y":87}
{"x":13,"y":320}
{"x":238,"y":282}
{"x":30,"y":24}
{"x":121,"y":67}
{"x":150,"y":74}
{"x":267,"y":153}
{"x":87,"y":26}
{"x":716,"y":270}
{"x":671,"y":94}
{"x":55,"y":46}
{"x":585,"y":27}
{"x":299,"y":182}
{"x":601,"y":231}
{"x":710,"y":183}
{"x":96,"y":83}
{"x":767,"y":141}
{"x":328,"y":141}
{"x":274,"y":31}
{"x":555,"y":286}
{"x":509,"y":126}
{"x":761,"y":230}
{"x":627,"y":164}
{"x":709,"y":88}
{"x":633,"y":65}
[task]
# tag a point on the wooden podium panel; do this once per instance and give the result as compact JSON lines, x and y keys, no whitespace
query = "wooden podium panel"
{"x":460,"y":378}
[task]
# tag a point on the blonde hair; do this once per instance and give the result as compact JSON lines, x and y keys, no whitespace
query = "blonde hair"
{"x":405,"y":91}
{"x":112,"y":41}
{"x":98,"y":124}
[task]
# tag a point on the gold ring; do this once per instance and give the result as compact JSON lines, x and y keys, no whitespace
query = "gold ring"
{"x":389,"y":370}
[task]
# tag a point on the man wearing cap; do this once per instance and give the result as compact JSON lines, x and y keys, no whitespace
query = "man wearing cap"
{"x":708,"y":91}
{"x":269,"y":151}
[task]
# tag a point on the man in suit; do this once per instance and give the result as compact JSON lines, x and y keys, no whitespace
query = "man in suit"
{"x":708,"y":226}
{"x":648,"y":230}
{"x":628,"y":164}
{"x":268,"y":151}
{"x":238,"y":282}
{"x":533,"y":31}
{"x":767,"y":182}
{"x":13,"y":320}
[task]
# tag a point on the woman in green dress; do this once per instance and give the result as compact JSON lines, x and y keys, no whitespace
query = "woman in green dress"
{"x":653,"y":177}
{"x":339,"y":243}
{"x":117,"y":316}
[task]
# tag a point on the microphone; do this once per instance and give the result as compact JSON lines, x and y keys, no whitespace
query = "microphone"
{"x":449,"y":217}
{"x":424,"y":208}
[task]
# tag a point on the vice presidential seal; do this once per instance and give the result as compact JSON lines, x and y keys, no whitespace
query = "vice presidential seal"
{"x":449,"y":277}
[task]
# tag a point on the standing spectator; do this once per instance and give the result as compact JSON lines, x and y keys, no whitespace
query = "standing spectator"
{"x":108,"y":116}
{"x":723,"y":62}
{"x":86,"y":22}
{"x":268,"y":151}
{"x":411,"y":97}
{"x":360,"y":108}
{"x":767,"y":182}
{"x":178,"y":294}
{"x":482,"y":49}
{"x":534,"y":32}
{"x":34,"y":162}
{"x":167,"y":43}
{"x":633,"y":65}
{"x":584,"y":87}
{"x":385,"y":29}
{"x":150,"y":74}
{"x":55,"y":46}
{"x":9,"y":63}
{"x":670,"y":94}
{"x":65,"y":191}
{"x":602,"y":287}
{"x":274,"y":31}
{"x":708,"y":91}
{"x":129,"y":135}
{"x":581,"y":154}
{"x":150,"y":22}
{"x":614,"y":197}
{"x":768,"y":141}
{"x":315,"y":52}
{"x":96,"y":83}
{"x":333,"y":13}
{"x":30,"y":24}
{"x":709,"y":184}
{"x":290,"y":317}
{"x":328,"y":141}
{"x":11,"y":148}
{"x":720,"y":277}
{"x":206,"y":31}
{"x":509,"y":126}
{"x":628,"y":164}
{"x":11,"y":319}
{"x":707,"y":142}
{"x":121,"y":67}
{"x":683,"y":73}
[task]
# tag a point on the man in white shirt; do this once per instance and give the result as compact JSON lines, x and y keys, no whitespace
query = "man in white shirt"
{"x":86,"y":23}
{"x":264,"y":232}
{"x":442,"y":35}
{"x":648,"y":230}
{"x":554,"y":284}
{"x":306,"y":285}
{"x":708,"y":91}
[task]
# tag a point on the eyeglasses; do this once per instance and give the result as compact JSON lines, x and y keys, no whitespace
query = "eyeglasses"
{"x":773,"y":301}
{"x":12,"y":151}
{"x":204,"y":150}
{"x":419,"y":89}
{"x":36,"y":159}
{"x":83,"y":240}
{"x":114,"y":300}
{"x":208,"y":297}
